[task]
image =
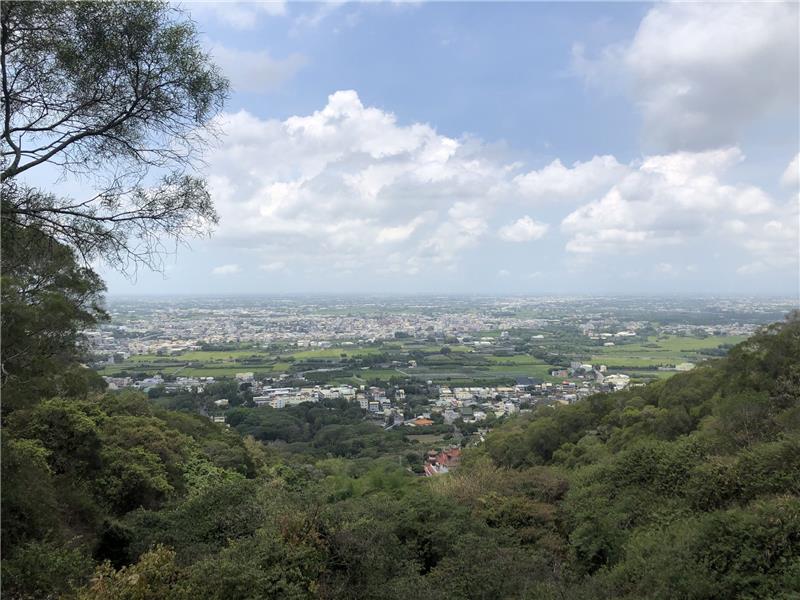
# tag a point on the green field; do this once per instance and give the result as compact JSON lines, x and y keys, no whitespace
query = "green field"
{"x":334,"y":353}
{"x":665,"y":351}
{"x":463,"y":364}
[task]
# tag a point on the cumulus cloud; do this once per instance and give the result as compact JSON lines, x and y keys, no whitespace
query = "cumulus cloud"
{"x":524,"y":229}
{"x":350,"y":184}
{"x":226,"y":270}
{"x":791,"y":176}
{"x":664,"y":201}
{"x":348,"y":188}
{"x":774,"y":244}
{"x":557,"y":182}
{"x":256,"y":71}
{"x":702,"y":72}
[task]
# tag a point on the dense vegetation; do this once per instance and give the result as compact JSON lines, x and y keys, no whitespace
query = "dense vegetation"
{"x":684,"y":488}
{"x":328,"y":428}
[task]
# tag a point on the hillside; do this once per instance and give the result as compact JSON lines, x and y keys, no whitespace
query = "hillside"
{"x":686,"y":487}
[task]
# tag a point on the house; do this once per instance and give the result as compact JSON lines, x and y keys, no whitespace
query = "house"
{"x":420,"y":422}
{"x":442,"y":462}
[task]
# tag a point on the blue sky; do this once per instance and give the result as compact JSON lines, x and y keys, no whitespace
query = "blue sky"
{"x":499,"y":147}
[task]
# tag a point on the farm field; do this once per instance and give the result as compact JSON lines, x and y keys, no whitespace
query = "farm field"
{"x":462,"y":365}
{"x":662,"y":351}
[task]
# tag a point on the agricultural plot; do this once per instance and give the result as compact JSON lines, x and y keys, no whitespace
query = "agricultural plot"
{"x":660,"y":352}
{"x":201,"y":364}
{"x":461,"y":364}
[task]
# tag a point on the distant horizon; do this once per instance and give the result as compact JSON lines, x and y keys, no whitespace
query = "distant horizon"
{"x":423,"y":294}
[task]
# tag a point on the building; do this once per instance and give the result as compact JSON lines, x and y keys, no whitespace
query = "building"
{"x":441,"y":462}
{"x":618,"y":380}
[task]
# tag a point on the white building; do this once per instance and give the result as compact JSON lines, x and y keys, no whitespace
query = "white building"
{"x":618,"y":380}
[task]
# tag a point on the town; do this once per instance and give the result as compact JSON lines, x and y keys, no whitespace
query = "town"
{"x":442,"y":370}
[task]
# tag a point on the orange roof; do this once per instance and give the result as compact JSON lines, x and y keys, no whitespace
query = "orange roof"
{"x":422,"y":421}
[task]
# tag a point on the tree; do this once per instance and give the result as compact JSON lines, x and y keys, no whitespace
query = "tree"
{"x":47,"y":299}
{"x":117,"y":91}
{"x":121,"y":93}
{"x":28,"y":495}
{"x":154,"y":576}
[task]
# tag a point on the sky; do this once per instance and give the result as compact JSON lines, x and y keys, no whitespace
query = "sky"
{"x":597,"y":148}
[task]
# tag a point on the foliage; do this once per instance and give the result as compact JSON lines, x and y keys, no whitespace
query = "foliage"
{"x":47,"y":299}
{"x":111,"y":90}
{"x":326,"y":428}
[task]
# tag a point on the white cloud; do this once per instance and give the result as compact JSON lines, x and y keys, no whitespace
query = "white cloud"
{"x":665,"y":268}
{"x":314,"y":14}
{"x":791,"y":176}
{"x":349,"y":184}
{"x":348,"y":188}
{"x":239,"y":15}
{"x":312,"y":18}
{"x":524,"y":229}
{"x":774,"y":244}
{"x":226,"y":270}
{"x":702,"y":72}
{"x":256,"y":71}
{"x":399,"y":233}
{"x":557,"y":182}
{"x":270,"y":267}
{"x":665,"y":201}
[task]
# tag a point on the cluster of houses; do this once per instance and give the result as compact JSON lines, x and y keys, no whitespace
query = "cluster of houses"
{"x":372,"y":399}
{"x":593,"y":374}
